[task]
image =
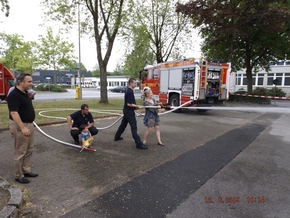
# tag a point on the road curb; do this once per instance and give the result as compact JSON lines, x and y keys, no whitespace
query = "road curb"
{"x":15,"y":202}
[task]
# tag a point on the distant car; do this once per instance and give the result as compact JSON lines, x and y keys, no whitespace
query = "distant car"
{"x":119,"y":89}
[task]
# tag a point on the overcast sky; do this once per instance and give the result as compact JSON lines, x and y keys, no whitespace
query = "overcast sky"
{"x":25,"y":19}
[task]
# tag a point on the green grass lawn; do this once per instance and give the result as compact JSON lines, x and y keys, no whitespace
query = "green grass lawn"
{"x":58,"y":109}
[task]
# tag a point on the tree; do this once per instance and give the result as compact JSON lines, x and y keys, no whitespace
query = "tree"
{"x":5,"y":7}
{"x":248,"y":33}
{"x":163,"y":26}
{"x":102,"y":17}
{"x":141,"y":54}
{"x":55,"y":53}
{"x":73,"y":67}
{"x":17,"y":54}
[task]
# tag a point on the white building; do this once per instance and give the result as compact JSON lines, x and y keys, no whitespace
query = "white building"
{"x":263,"y":78}
{"x":94,"y":82}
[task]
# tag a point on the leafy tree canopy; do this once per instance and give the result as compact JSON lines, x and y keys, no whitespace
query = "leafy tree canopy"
{"x":141,"y":54}
{"x":5,"y":7}
{"x":103,"y":19}
{"x":166,"y":30}
{"x":17,"y":54}
{"x":55,"y":53}
{"x":249,"y":33}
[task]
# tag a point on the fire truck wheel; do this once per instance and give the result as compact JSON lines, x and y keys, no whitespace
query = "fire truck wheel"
{"x":174,"y":101}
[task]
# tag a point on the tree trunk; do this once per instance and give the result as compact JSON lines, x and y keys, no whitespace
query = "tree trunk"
{"x":103,"y":80}
{"x":249,"y":80}
{"x":159,"y":57}
{"x":249,"y":76}
{"x":249,"y":68}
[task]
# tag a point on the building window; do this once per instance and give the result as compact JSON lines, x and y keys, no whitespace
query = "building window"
{"x":253,"y":80}
{"x":287,"y":79}
{"x":270,"y":79}
{"x":279,"y":77}
{"x":245,"y":82}
{"x":239,"y":79}
{"x":260,"y":81}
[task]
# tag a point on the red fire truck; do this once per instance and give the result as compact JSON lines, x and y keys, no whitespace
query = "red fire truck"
{"x":177,"y":82}
{"x":6,"y":81}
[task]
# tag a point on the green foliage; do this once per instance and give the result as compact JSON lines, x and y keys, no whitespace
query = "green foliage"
{"x":49,"y":87}
{"x":269,"y":92}
{"x":73,"y":67}
{"x":56,"y":88}
{"x":140,"y":55}
{"x":55,"y":53}
{"x":101,"y":19}
{"x":18,"y":55}
{"x":241,"y":91}
{"x":276,"y":92}
{"x":5,"y":7}
{"x":260,"y":91}
{"x":166,"y":30}
{"x":247,"y":33}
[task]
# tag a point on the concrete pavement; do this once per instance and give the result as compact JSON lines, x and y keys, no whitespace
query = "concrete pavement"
{"x":69,"y":179}
{"x":253,"y":184}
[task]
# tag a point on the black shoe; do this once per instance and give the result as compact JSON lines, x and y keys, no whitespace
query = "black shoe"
{"x":77,"y":142}
{"x":30,"y":174}
{"x":143,"y":146}
{"x":161,"y":144}
{"x":23,"y":180}
{"x":118,"y":139}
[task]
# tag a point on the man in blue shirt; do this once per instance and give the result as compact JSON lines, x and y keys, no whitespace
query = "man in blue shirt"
{"x":129,"y":116}
{"x":76,"y":119}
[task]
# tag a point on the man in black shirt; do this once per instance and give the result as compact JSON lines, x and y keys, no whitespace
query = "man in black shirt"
{"x":76,"y":119}
{"x":22,"y":115}
{"x":129,"y":116}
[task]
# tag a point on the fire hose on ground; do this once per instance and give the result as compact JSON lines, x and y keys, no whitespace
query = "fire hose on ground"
{"x":99,"y":128}
{"x":172,"y":109}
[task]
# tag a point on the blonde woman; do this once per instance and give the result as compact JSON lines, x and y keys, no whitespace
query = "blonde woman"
{"x":151,"y":118}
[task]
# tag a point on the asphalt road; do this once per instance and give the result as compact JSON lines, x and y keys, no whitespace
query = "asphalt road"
{"x":71,"y":94}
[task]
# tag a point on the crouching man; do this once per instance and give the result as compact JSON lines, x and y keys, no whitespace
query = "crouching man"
{"x":76,"y":119}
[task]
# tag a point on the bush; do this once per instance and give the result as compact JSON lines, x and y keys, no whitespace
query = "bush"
{"x":241,"y":91}
{"x":276,"y":92}
{"x":52,"y":88}
{"x":247,"y":99}
{"x":56,"y":88}
{"x":260,"y":91}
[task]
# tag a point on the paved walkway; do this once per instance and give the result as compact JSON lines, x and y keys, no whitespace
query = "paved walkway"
{"x":69,"y":179}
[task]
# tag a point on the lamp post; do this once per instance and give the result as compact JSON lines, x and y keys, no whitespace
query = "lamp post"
{"x":79,"y":64}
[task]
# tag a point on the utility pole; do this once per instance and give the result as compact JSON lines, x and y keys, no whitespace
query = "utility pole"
{"x":79,"y":64}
